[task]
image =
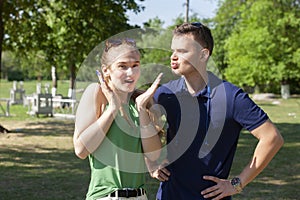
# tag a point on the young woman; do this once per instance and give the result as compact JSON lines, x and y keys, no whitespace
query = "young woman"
{"x":113,"y":129}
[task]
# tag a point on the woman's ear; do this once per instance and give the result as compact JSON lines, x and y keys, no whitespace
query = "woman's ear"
{"x":105,"y":71}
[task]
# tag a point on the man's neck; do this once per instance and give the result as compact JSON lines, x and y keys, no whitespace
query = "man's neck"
{"x":196,"y":82}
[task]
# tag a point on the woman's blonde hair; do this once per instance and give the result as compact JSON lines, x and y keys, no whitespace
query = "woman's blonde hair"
{"x":112,"y":43}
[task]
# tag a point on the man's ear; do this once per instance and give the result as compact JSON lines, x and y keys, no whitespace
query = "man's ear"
{"x":204,"y":55}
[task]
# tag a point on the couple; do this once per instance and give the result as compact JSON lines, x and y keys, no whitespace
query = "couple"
{"x":117,"y":128}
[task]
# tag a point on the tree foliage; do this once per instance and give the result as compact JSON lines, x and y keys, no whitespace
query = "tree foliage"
{"x":256,"y":42}
{"x":262,"y":44}
{"x":65,"y":31}
{"x":156,"y":48}
{"x":154,"y":45}
{"x":226,"y":19}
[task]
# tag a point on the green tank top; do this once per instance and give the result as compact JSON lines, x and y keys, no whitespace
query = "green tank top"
{"x":119,"y":161}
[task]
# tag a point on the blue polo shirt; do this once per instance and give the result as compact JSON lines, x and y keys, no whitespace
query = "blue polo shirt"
{"x":202,"y":134}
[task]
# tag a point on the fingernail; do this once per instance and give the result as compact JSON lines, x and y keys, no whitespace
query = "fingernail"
{"x":98,"y":73}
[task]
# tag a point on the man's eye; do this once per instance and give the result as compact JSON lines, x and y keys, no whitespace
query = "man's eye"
{"x":182,"y":51}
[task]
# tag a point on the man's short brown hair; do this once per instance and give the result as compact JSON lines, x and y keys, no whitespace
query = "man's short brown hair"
{"x":201,"y":33}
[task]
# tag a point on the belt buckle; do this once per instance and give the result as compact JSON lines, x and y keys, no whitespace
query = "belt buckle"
{"x":133,"y":190}
{"x":127,"y":193}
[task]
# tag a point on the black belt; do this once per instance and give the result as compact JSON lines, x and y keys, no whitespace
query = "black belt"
{"x":130,"y":192}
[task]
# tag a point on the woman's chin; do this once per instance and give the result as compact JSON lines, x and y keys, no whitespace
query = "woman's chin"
{"x":128,"y":89}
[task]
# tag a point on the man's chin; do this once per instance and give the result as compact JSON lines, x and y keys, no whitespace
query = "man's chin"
{"x":176,"y":72}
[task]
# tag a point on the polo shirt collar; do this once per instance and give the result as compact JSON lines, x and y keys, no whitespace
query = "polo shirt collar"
{"x":201,"y":93}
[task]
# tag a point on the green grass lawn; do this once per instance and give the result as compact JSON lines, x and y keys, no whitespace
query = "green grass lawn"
{"x":37,"y":160}
{"x":280,"y":179}
{"x":30,"y":87}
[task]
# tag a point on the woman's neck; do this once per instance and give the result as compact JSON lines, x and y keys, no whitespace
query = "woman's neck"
{"x":123,"y":96}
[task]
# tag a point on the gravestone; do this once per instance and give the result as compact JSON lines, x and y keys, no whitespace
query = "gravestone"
{"x":17,"y":93}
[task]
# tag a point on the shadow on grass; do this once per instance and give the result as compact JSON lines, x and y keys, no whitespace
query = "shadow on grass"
{"x":277,"y":181}
{"x":47,"y":127}
{"x":34,"y":171}
{"x":36,"y":167}
{"x":281,"y":177}
{"x":47,"y":174}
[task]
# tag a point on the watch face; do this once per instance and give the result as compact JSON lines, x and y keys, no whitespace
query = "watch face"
{"x":235,"y":181}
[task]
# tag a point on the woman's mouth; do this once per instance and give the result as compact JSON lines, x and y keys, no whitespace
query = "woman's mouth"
{"x":129,"y":81}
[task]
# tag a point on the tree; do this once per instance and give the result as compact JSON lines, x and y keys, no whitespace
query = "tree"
{"x":1,"y":34}
{"x":225,"y":21}
{"x":156,"y":50}
{"x":265,"y":44}
{"x":257,"y":42}
{"x":187,"y":4}
{"x":65,"y":30}
{"x":79,"y":29}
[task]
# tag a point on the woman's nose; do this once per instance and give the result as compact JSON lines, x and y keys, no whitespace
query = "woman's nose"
{"x":129,"y":71}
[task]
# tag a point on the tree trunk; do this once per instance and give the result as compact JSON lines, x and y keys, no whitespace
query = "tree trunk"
{"x":285,"y":91}
{"x":1,"y":35}
{"x":54,"y":81}
{"x":187,"y":11}
{"x":71,"y":92}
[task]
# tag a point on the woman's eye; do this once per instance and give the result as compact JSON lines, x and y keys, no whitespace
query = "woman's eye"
{"x":124,"y":67}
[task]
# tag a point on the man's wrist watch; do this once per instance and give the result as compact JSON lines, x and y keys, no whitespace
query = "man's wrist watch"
{"x":236,"y":183}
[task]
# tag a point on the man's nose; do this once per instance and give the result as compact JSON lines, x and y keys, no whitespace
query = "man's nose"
{"x":173,"y":56}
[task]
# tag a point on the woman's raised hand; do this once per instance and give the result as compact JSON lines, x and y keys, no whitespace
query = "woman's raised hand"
{"x":113,"y":99}
{"x":143,"y":99}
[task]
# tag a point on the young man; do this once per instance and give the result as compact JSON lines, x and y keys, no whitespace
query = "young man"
{"x":205,"y":116}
